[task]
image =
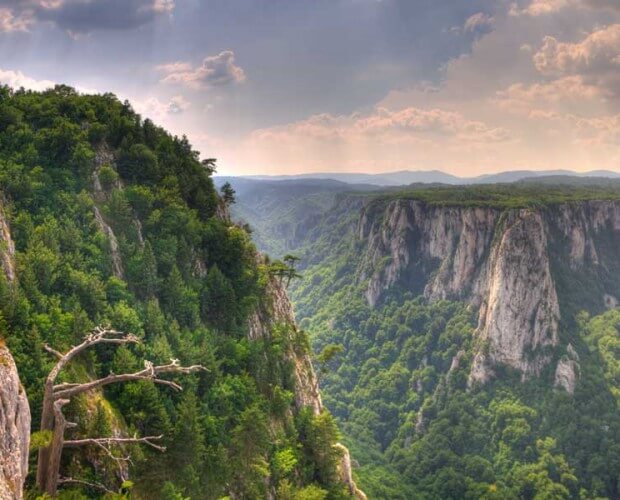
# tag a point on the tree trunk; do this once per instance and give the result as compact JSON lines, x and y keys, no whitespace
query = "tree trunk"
{"x":47,"y":424}
{"x":55,"y":449}
{"x":56,"y":396}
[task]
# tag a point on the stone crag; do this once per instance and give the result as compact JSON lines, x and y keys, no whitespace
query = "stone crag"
{"x":504,"y":262}
{"x":278,"y":310}
{"x":14,"y":408}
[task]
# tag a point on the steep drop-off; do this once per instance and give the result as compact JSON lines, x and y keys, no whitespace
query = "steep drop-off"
{"x":115,"y":222}
{"x":504,"y":262}
{"x":14,"y":408}
{"x":14,"y":429}
{"x":464,"y":340}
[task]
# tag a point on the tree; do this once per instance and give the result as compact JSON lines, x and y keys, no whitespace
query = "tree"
{"x":58,"y":395}
{"x":327,"y":355}
{"x":217,"y":299}
{"x":284,"y":269}
{"x":228,"y":194}
{"x":209,"y":165}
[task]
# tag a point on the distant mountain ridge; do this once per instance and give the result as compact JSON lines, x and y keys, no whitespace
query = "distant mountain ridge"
{"x":404,"y":177}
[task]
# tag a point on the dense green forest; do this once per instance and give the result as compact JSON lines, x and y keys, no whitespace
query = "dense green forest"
{"x":388,"y":376}
{"x":77,"y":169}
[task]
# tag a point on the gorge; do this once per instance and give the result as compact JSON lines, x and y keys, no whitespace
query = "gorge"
{"x":444,"y":301}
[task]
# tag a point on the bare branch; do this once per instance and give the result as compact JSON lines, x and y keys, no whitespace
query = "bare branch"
{"x":150,"y":372}
{"x":148,"y":440}
{"x":65,"y":385}
{"x":55,"y":396}
{"x":52,"y":351}
{"x":81,"y":482}
{"x":99,"y":335}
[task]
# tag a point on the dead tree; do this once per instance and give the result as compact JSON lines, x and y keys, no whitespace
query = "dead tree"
{"x":55,"y":396}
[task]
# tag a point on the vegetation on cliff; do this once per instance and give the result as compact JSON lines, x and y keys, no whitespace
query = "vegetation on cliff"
{"x":395,"y":375}
{"x":116,"y":222}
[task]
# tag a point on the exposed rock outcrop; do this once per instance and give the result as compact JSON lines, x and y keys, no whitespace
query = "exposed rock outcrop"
{"x":346,"y":473}
{"x":520,"y":312}
{"x":14,"y":408}
{"x":7,"y":247}
{"x":499,"y":261}
{"x":568,"y":371}
{"x":436,"y":250}
{"x":14,"y":429}
{"x":277,"y":310}
{"x":104,"y":227}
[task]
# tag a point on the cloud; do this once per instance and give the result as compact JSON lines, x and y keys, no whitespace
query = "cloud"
{"x":174,"y":67}
{"x":522,"y":98}
{"x":84,"y":16}
{"x":17,"y":79}
{"x":389,"y":126}
{"x":542,"y":7}
{"x":603,"y":130}
{"x":604,"y":4}
{"x":405,"y":138}
{"x":178,"y":104}
{"x":478,"y":22}
{"x":498,"y":106}
{"x":215,"y":71}
{"x":10,"y":22}
{"x":156,"y":109}
{"x":596,"y":59}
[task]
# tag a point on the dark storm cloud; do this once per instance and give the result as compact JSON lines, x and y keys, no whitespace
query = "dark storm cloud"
{"x":83,"y":16}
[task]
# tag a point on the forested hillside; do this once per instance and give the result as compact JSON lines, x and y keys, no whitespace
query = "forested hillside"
{"x":109,"y":220}
{"x":467,"y":338}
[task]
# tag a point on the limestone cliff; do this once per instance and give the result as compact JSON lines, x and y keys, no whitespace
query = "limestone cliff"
{"x":14,"y":408}
{"x":14,"y":429}
{"x":277,"y":310}
{"x":506,"y":263}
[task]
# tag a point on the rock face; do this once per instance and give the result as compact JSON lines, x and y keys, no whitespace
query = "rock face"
{"x":520,"y":311}
{"x":7,"y":247}
{"x":14,"y":409}
{"x":567,"y":371}
{"x":346,"y":473}
{"x":279,"y":311}
{"x":14,"y":429}
{"x":104,"y":227}
{"x":504,"y":262}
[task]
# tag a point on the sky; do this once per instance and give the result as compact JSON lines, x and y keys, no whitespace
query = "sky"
{"x":297,"y":86}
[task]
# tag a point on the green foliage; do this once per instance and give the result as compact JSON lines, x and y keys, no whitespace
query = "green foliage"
{"x":399,"y":387}
{"x":108,"y":177}
{"x":188,"y":285}
{"x":40,"y":439}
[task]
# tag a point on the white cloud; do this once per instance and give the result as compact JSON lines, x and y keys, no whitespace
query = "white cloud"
{"x":409,"y":124}
{"x":17,"y":79}
{"x":214,"y":71}
{"x":545,"y":7}
{"x":163,"y":6}
{"x":178,"y":104}
{"x":11,"y":22}
{"x":596,"y":58}
{"x":541,"y":7}
{"x":478,"y":22}
{"x":522,"y":98}
{"x":157,"y":109}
